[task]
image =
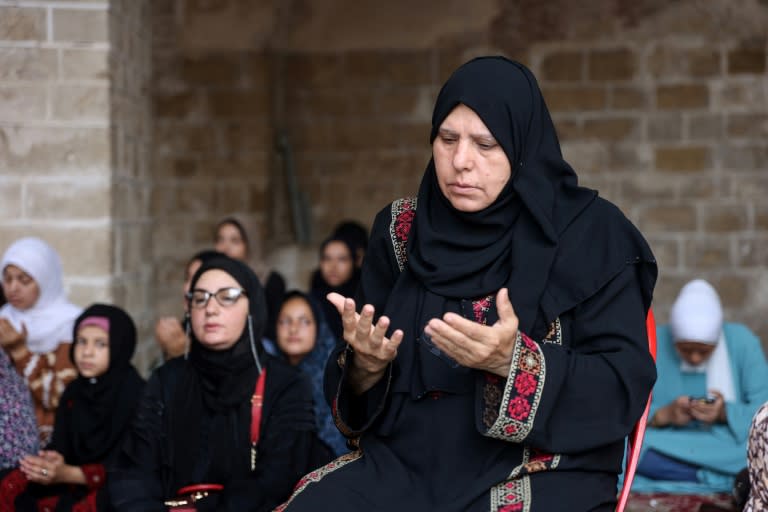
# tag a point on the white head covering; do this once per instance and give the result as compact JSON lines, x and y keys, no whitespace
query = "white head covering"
{"x":51,"y":319}
{"x":697,"y":315}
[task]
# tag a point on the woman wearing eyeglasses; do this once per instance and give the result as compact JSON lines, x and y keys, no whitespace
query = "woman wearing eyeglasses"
{"x":230,"y":421}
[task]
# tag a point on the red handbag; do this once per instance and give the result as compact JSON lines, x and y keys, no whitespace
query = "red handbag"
{"x":187,"y":496}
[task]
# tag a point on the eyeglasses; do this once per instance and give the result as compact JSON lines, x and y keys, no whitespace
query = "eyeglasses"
{"x":226,"y":297}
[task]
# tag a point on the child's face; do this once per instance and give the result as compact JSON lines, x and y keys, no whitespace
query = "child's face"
{"x":92,"y":351}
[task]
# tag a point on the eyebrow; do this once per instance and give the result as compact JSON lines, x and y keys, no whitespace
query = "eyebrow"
{"x":484,"y":135}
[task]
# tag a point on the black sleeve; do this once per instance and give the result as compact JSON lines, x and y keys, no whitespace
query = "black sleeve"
{"x":353,"y":414}
{"x":134,"y":479}
{"x":588,"y":392}
{"x":284,"y":451}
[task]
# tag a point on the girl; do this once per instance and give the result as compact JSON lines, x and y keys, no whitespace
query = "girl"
{"x":96,"y":410}
{"x":304,"y":340}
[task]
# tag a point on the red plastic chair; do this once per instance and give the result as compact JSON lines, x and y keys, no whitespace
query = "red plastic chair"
{"x":635,"y":441}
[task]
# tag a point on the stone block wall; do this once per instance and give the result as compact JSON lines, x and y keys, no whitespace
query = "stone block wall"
{"x":661,"y":106}
{"x":55,"y":147}
{"x":130,"y":65}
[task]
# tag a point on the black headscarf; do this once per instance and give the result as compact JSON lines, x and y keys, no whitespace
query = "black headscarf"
{"x":95,"y":412}
{"x":218,"y":385}
{"x":319,"y":287}
{"x":455,"y":257}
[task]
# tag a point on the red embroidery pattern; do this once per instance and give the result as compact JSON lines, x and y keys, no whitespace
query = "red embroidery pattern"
{"x":403,"y":212}
{"x":521,"y":395}
{"x":480,"y":309}
{"x":512,"y":496}
{"x":319,"y":474}
{"x":555,"y":333}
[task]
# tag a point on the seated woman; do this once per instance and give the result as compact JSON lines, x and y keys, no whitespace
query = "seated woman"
{"x":18,"y":429}
{"x":201,"y":418}
{"x":36,"y":325}
{"x":337,"y":273}
{"x":712,"y":378}
{"x":231,"y":238}
{"x":304,"y":340}
{"x":757,"y":462}
{"x":96,"y":411}
{"x":170,"y":333}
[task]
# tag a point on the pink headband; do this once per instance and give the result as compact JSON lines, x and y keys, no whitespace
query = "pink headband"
{"x":98,"y":321}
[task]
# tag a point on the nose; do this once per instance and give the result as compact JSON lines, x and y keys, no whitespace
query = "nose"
{"x":212,"y":307}
{"x":462,"y":156}
{"x":11,"y":286}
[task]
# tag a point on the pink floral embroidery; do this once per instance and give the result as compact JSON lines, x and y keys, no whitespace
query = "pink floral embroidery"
{"x":511,"y":508}
{"x":403,"y":223}
{"x":519,"y":408}
{"x":525,"y":384}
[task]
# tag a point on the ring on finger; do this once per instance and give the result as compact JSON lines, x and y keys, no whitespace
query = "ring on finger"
{"x":44,"y":472}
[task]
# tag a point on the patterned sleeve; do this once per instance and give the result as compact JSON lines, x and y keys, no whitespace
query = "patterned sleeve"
{"x":46,"y":375}
{"x":95,"y":475}
{"x":18,"y":430}
{"x":584,"y":385}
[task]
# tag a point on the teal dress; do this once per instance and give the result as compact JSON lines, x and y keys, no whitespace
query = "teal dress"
{"x":719,"y":451}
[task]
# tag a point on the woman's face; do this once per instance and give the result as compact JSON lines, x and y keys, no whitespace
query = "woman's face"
{"x":694,"y":353}
{"x":92,"y":351}
{"x":336,"y":263}
{"x":230,"y":242}
{"x":472,"y":169}
{"x":218,"y":327}
{"x":20,"y":289}
{"x":296,"y":329}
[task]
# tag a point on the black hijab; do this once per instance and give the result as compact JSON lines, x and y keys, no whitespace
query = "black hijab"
{"x":95,"y":412}
{"x":319,"y":287}
{"x":456,"y":257}
{"x":217,"y":385}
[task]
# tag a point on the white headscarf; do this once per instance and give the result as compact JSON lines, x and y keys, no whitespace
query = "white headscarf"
{"x":51,"y":318}
{"x":697,"y":315}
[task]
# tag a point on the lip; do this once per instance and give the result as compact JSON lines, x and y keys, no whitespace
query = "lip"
{"x":85,"y":366}
{"x":461,"y":188}
{"x":211,"y":327}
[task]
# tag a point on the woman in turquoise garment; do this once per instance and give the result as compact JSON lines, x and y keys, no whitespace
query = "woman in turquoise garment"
{"x":712,"y":378}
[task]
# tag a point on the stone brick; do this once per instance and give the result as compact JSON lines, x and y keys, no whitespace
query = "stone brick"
{"x":248,"y":137}
{"x":719,"y":218}
{"x":10,"y":201}
{"x":628,"y":98}
{"x":732,"y":288}
{"x":585,"y":156}
{"x":668,"y":218}
{"x":643,"y":186}
{"x":85,"y":64}
{"x":239,"y":104}
{"x":611,"y":128}
{"x":567,"y":128}
{"x":751,"y":251}
{"x":674,"y":97}
{"x":705,"y":126}
{"x":373,"y":68}
{"x":630,"y":156}
{"x":709,"y":253}
{"x":683,"y":159}
{"x":743,"y":94}
{"x":667,"y":61}
{"x":130,"y":199}
{"x":22,"y":24}
{"x":27,"y":63}
{"x":81,"y":102}
{"x":67,"y":199}
{"x":747,"y":60}
{"x":323,"y":70}
{"x":666,"y":251}
{"x":22,"y":102}
{"x":575,"y":98}
{"x":750,"y":186}
{"x":80,"y":25}
{"x":744,"y":157}
{"x":562,"y":67}
{"x":617,"y":64}
{"x":179,"y":138}
{"x":55,"y":151}
{"x":761,"y":218}
{"x":665,"y":127}
{"x":211,"y":70}
{"x":187,"y":105}
{"x":410,"y":103}
{"x":748,"y":125}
